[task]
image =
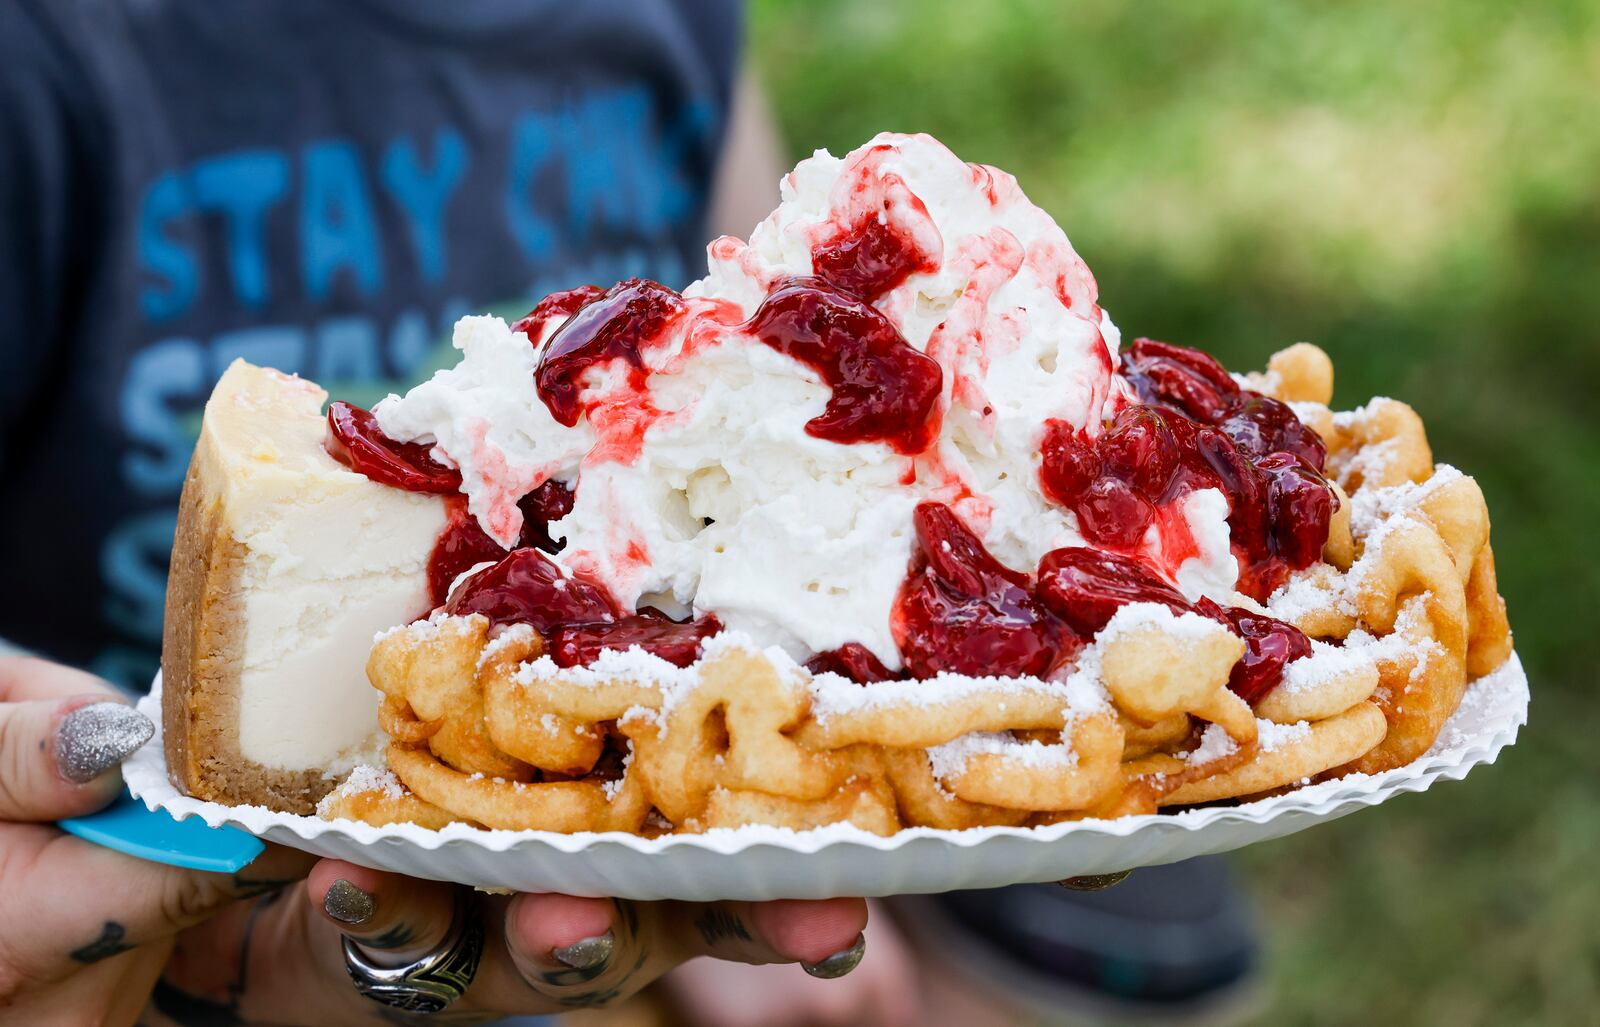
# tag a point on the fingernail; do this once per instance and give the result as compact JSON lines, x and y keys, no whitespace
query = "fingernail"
{"x":840,"y":963}
{"x":92,"y":739}
{"x":348,"y":904}
{"x":588,"y":954}
{"x":1095,"y":882}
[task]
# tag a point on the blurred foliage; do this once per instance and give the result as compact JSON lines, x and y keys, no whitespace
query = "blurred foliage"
{"x":1416,"y":188}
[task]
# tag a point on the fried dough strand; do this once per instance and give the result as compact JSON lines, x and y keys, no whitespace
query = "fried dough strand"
{"x":1403,"y":612}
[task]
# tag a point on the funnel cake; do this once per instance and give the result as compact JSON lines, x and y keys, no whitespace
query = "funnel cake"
{"x":879,"y":523}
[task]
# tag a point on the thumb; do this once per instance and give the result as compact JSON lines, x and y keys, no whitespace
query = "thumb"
{"x":57,"y":757}
{"x":71,"y":903}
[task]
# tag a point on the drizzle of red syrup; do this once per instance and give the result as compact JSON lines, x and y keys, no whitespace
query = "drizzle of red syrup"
{"x":677,"y":642}
{"x":883,"y":389}
{"x":963,"y":611}
{"x":355,"y":440}
{"x":881,"y":234}
{"x":1195,"y":428}
{"x":558,"y":304}
{"x":462,"y":545}
{"x":870,"y":258}
{"x":551,"y":501}
{"x":854,"y":661}
{"x":620,"y":325}
{"x":527,"y":588}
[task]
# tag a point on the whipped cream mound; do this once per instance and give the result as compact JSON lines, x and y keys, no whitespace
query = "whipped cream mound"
{"x":704,"y":490}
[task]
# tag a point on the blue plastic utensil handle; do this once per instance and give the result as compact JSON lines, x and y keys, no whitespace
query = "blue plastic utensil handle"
{"x":130,"y":828}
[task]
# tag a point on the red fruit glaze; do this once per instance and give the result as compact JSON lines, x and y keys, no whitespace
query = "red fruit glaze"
{"x":527,"y":588}
{"x":869,"y":259}
{"x":1269,"y":644}
{"x":558,"y":304}
{"x":1260,"y":425}
{"x":355,"y":440}
{"x":1070,"y":462}
{"x":631,"y":317}
{"x":1086,"y":587}
{"x":678,"y":643}
{"x":880,"y":233}
{"x":1141,"y":449}
{"x":883,"y":389}
{"x":1195,"y":429}
{"x":1112,"y":512}
{"x":961,"y":610}
{"x":1188,"y":380}
{"x":854,"y":661}
{"x":461,"y":546}
{"x":549,"y":502}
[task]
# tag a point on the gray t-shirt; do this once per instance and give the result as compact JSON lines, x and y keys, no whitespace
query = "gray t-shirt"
{"x":320,"y":187}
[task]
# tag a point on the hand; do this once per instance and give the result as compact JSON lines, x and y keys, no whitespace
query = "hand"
{"x":85,"y":932}
{"x":282,"y":962}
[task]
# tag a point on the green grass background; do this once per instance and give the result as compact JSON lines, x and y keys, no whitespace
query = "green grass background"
{"x":1416,"y":188}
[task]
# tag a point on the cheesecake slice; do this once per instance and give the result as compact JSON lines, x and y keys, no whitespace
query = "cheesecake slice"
{"x":285,"y":565}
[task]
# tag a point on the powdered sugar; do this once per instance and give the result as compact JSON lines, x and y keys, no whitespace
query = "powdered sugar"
{"x":1271,"y":737}
{"x":630,"y":664}
{"x":756,"y":863}
{"x":367,"y":779}
{"x":425,"y":630}
{"x":1370,"y":507}
{"x":1308,"y":412}
{"x":1307,"y":593}
{"x":1215,"y":743}
{"x":951,"y":758}
{"x":511,"y":635}
{"x":1345,"y":420}
{"x":1327,"y":663}
{"x":1134,"y":616}
{"x":1086,"y":682}
{"x":832,"y":694}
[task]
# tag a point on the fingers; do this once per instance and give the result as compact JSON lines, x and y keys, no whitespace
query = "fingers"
{"x":82,"y":904}
{"x":584,"y":952}
{"x":26,"y":677}
{"x":394,"y":919}
{"x":824,"y":936}
{"x":577,"y":952}
{"x":885,"y":990}
{"x":563,"y":940}
{"x":62,"y":733}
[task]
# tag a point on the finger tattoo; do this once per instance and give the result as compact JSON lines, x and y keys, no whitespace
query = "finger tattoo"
{"x":201,"y":1011}
{"x":597,"y":997}
{"x":107,"y":945}
{"x":718,"y":925}
{"x":395,"y":937}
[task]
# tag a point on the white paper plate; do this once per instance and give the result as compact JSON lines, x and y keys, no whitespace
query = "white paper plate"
{"x":765,"y":863}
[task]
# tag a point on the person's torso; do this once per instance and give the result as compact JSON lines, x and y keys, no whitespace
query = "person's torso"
{"x":325,"y":188}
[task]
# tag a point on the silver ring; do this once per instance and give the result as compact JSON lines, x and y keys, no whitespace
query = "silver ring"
{"x":433,"y":981}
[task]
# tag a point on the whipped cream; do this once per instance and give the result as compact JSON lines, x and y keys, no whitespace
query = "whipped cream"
{"x":706,"y":490}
